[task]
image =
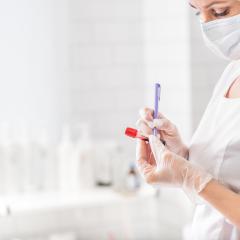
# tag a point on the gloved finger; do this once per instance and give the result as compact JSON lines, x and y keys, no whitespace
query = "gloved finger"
{"x":161,"y":122}
{"x":143,"y":127}
{"x":150,"y":124}
{"x":164,"y":124}
{"x":147,"y":114}
{"x":141,"y":151}
{"x":144,"y":152}
{"x":144,"y":160}
{"x":157,"y":148}
{"x":155,"y":123}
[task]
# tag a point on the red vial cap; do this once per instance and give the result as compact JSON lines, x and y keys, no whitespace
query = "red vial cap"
{"x":131,"y":132}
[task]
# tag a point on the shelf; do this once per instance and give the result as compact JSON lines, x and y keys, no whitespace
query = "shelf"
{"x":17,"y":204}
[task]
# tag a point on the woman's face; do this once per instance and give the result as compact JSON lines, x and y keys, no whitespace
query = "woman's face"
{"x":209,"y":10}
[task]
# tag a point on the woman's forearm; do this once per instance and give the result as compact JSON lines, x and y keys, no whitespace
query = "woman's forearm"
{"x":224,"y":200}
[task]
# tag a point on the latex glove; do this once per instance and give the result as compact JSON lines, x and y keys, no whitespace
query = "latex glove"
{"x":158,"y":165}
{"x":168,"y":132}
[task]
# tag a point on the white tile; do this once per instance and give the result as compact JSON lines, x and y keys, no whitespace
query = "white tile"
{"x":90,"y":56}
{"x":166,"y":9}
{"x":121,"y":32}
{"x":120,"y":77}
{"x":97,"y":101}
{"x":160,"y":32}
{"x":105,"y":9}
{"x":165,"y":52}
{"x":82,"y":32}
{"x":128,"y":54}
{"x":103,"y":82}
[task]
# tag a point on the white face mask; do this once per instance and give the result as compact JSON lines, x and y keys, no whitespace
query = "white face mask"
{"x":223,"y":37}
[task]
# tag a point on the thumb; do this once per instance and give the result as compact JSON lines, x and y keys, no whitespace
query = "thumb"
{"x":163,"y":124}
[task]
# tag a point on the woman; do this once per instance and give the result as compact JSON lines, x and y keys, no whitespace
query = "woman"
{"x":209,"y":169}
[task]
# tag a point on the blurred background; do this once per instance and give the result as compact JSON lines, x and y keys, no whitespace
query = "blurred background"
{"x":73,"y":75}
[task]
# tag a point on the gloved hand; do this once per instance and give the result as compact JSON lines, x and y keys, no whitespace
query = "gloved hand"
{"x":158,"y":165}
{"x":168,"y":132}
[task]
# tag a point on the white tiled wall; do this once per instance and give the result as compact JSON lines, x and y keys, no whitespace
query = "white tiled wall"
{"x":106,"y":64}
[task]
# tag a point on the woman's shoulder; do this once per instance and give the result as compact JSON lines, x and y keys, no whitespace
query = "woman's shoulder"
{"x":233,"y":66}
{"x":231,"y":71}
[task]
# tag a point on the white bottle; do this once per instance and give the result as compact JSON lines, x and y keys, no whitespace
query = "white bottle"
{"x":132,"y":181}
{"x":68,"y":165}
{"x":42,"y":162}
{"x":104,"y":158}
{"x":50,"y":163}
{"x":84,"y":156}
{"x":17,"y":159}
{"x":5,"y":166}
{"x":21,"y":158}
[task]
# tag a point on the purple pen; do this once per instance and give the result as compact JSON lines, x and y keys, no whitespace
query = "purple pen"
{"x":157,"y":99}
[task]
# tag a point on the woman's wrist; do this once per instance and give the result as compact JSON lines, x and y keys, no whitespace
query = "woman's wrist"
{"x":205,"y":191}
{"x":184,"y":152}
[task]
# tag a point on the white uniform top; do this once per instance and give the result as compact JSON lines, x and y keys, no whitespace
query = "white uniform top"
{"x":215,"y":146}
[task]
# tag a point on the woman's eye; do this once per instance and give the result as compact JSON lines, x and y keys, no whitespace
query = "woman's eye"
{"x":220,"y":14}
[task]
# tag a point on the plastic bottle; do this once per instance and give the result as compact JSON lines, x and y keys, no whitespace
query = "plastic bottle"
{"x":20,"y":158}
{"x":68,"y":165}
{"x":84,"y":155}
{"x":6,"y":183}
{"x":133,"y":181}
{"x":43,"y":165}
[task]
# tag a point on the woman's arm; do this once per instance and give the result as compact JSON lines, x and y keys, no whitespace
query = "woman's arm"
{"x":224,"y":200}
{"x":168,"y":168}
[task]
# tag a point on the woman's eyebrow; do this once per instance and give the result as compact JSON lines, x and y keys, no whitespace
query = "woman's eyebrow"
{"x":209,"y":5}
{"x":192,"y":5}
{"x":213,"y":3}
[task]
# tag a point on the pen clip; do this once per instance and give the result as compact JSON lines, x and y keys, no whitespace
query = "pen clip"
{"x":159,"y":92}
